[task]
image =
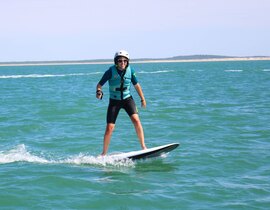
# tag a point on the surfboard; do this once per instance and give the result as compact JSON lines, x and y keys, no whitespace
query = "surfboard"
{"x":147,"y":153}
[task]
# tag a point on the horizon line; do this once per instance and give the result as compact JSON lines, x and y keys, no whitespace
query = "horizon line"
{"x":188,"y":58}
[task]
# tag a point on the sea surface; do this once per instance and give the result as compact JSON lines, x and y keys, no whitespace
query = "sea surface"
{"x":52,"y":126}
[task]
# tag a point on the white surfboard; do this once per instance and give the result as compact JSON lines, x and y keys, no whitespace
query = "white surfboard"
{"x":147,"y":153}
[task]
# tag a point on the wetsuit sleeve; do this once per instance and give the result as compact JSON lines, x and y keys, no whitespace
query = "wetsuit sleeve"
{"x":106,"y":76}
{"x":134,"y":79}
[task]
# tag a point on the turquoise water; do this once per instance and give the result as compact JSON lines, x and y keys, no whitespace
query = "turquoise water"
{"x":51,"y":130}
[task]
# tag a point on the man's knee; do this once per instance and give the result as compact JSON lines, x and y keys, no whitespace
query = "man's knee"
{"x":135,"y":119}
{"x":110,"y":128}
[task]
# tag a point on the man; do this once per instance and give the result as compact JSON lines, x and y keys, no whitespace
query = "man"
{"x":120,"y":77}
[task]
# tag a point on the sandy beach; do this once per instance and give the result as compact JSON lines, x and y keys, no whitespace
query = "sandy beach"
{"x":206,"y":60}
{"x":140,"y":61}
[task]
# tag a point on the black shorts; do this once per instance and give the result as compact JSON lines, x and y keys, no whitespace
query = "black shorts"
{"x":114,"y":107}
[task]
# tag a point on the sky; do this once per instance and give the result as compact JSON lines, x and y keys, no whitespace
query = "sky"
{"x":45,"y":30}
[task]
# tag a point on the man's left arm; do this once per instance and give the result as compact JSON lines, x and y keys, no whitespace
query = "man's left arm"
{"x":140,"y":93}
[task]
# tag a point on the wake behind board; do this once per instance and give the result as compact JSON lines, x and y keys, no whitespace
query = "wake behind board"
{"x":147,"y":153}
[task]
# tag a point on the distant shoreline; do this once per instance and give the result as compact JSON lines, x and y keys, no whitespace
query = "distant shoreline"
{"x":54,"y":63}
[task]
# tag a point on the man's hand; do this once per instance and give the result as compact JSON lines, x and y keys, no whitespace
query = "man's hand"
{"x":143,"y":103}
{"x":99,"y":94}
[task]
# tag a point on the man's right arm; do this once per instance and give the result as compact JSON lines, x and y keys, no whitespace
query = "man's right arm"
{"x":106,"y":76}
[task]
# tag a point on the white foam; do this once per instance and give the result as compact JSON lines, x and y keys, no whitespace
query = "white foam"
{"x":196,"y":70}
{"x":155,"y":72}
{"x":20,"y":154}
{"x":234,"y":70}
{"x":44,"y":75}
{"x":266,"y":70}
{"x":82,"y":159}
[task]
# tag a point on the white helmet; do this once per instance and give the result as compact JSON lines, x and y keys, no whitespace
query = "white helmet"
{"x":122,"y":53}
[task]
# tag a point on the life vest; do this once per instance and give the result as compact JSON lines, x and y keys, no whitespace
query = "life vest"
{"x":119,"y":85}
